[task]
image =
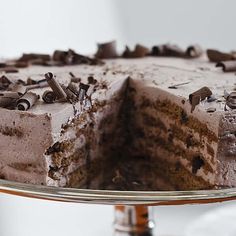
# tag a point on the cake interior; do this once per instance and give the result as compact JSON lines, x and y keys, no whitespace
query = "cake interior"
{"x":143,"y":144}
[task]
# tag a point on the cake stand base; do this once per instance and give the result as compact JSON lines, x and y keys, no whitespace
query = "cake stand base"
{"x":133,"y":220}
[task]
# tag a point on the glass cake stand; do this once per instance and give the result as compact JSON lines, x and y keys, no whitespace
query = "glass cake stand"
{"x":133,"y":214}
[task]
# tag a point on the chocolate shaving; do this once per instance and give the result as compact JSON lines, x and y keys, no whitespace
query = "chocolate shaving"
{"x":194,"y":51}
{"x":70,"y":57}
{"x":3,"y":64}
{"x":106,"y":50}
{"x":91,"y":80}
{"x":71,"y":96}
{"x":55,"y":86}
{"x":73,"y":87}
{"x":199,"y":95}
{"x":49,"y":96}
{"x":168,"y":50}
{"x":9,"y":69}
{"x":4,"y":82}
{"x":27,"y":101}
{"x":8,"y":99}
{"x":211,"y":109}
{"x":217,"y":56}
{"x":74,"y":79}
{"x":177,"y":85}
{"x":83,"y":88}
{"x":227,"y":66}
{"x":139,"y":51}
{"x":20,"y":64}
{"x":231,"y":100}
{"x":39,"y":84}
{"x":34,"y":56}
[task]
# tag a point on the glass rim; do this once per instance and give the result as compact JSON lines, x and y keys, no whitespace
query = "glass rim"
{"x":113,"y":197}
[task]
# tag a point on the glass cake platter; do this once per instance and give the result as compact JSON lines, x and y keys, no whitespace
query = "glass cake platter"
{"x":132,"y":208}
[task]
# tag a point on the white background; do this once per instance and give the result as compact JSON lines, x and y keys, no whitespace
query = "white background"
{"x":45,"y":25}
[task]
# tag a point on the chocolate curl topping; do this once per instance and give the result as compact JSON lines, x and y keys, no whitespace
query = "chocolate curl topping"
{"x":231,"y":100}
{"x":39,"y":84}
{"x":217,"y":56}
{"x":70,"y":95}
{"x":227,"y":66}
{"x":158,"y":50}
{"x":194,"y":51}
{"x":34,"y":56}
{"x":8,"y":99}
{"x":168,"y":50}
{"x":70,"y":57}
{"x":74,"y":79}
{"x":4,"y":82}
{"x":174,"y":51}
{"x":49,"y":96}
{"x":91,"y":80}
{"x":83,"y":88}
{"x":139,"y":51}
{"x":3,"y":64}
{"x":106,"y":50}
{"x":9,"y":69}
{"x":27,"y":101}
{"x":199,"y":95}
{"x":55,"y":86}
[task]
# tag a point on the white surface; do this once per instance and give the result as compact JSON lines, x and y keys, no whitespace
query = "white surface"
{"x":45,"y":25}
{"x":209,"y":23}
{"x":217,"y":222}
{"x":27,"y":217}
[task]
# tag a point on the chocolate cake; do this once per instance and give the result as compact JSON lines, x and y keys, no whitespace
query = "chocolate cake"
{"x":163,"y":121}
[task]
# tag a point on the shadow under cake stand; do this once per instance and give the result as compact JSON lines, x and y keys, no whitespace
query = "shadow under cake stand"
{"x":133,"y":209}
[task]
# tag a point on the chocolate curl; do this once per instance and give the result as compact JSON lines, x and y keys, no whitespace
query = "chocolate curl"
{"x":3,"y":64}
{"x":227,"y":66}
{"x":8,"y":99}
{"x":83,"y":88}
{"x":91,"y":80}
{"x":71,"y":96}
{"x":70,"y":57}
{"x":158,"y":50}
{"x":74,"y":79}
{"x":34,"y":56}
{"x":199,"y":95}
{"x":39,"y":84}
{"x":73,"y":87}
{"x":20,"y":64}
{"x":217,"y":56}
{"x":194,"y":51}
{"x":168,"y":50}
{"x":49,"y":96}
{"x":18,"y":88}
{"x":55,"y":86}
{"x":4,"y":82}
{"x":59,"y":55}
{"x":106,"y":50}
{"x":231,"y":100}
{"x":139,"y":51}
{"x":9,"y":69}
{"x":27,"y":101}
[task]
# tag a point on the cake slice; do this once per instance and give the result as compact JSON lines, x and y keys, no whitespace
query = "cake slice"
{"x":140,"y":131}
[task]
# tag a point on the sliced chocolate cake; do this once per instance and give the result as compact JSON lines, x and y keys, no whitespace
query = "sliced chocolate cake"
{"x":151,"y":123}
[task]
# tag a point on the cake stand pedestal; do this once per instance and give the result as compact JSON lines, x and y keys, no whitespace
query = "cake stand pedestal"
{"x":133,"y":209}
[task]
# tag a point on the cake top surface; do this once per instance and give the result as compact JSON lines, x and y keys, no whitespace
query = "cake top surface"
{"x":177,"y":76}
